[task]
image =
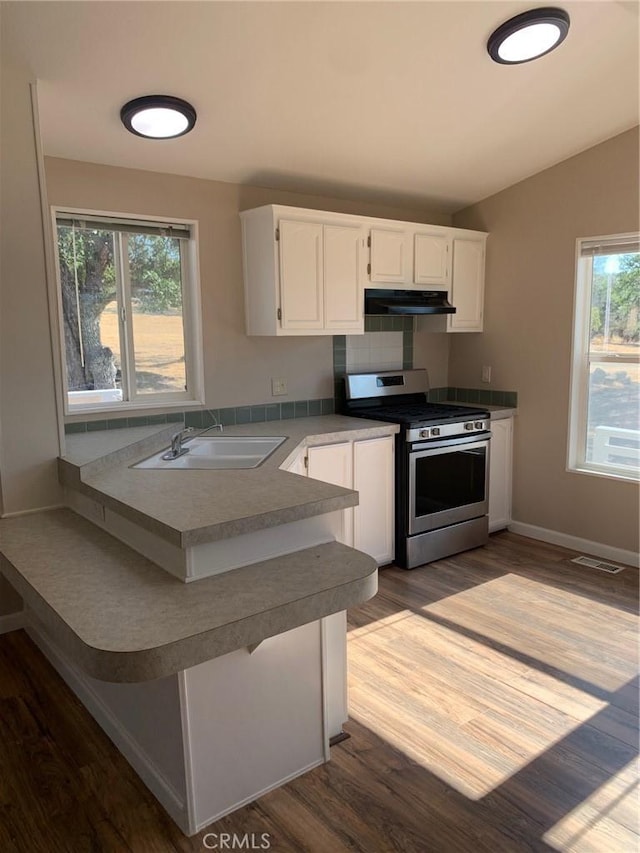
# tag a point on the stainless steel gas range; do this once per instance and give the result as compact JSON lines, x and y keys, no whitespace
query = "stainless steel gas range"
{"x":442,"y":464}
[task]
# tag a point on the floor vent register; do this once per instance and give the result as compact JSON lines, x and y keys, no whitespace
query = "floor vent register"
{"x":610,"y":568}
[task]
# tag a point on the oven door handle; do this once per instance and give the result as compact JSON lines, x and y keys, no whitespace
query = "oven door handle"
{"x":478,"y":439}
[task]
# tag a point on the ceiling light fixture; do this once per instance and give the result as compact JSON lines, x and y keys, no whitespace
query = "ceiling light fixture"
{"x":158,"y":117}
{"x":528,"y":36}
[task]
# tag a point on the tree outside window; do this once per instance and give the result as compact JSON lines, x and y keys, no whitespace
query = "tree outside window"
{"x":122,"y":293}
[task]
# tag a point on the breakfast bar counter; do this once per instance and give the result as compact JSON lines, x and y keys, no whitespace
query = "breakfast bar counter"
{"x":121,"y":618}
{"x":200,"y":615}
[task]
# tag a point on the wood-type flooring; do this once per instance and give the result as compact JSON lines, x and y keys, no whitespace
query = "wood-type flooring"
{"x":493,"y":708}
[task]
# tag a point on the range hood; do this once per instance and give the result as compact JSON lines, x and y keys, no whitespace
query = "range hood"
{"x":396,"y":302}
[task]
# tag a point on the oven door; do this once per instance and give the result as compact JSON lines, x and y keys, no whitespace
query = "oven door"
{"x":448,"y":482}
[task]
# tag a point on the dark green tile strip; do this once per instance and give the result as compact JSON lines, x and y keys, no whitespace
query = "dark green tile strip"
{"x":388,"y":324}
{"x":291,"y":409}
{"x":484,"y":396}
{"x":339,"y":354}
{"x":202,"y":419}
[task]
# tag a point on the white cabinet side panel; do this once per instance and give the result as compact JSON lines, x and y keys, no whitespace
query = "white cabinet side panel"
{"x":335,"y":681}
{"x":254,"y":720}
{"x":260,"y":273}
{"x":500,"y":473}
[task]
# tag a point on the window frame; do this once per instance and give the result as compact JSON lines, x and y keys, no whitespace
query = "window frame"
{"x":193,"y":396}
{"x":580,"y":367}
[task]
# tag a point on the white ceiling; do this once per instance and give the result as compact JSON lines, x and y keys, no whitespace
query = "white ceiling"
{"x":389,"y":101}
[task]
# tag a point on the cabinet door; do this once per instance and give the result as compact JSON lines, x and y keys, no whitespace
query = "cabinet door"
{"x":431,"y":259}
{"x":500,"y":473}
{"x":467,"y":286}
{"x":332,"y":463}
{"x":343,"y":281}
{"x":301,"y":275}
{"x":373,"y":478}
{"x":390,"y":256}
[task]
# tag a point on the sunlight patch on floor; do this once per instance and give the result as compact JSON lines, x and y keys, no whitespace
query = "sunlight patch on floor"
{"x":464,"y":711}
{"x":607,"y":820}
{"x":539,"y":608}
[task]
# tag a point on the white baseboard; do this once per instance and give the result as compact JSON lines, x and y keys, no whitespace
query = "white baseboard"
{"x":575,"y":543}
{"x":12,"y":622}
{"x":20,"y":512}
{"x":144,"y":766}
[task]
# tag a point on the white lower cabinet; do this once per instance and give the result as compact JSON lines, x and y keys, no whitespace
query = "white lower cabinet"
{"x":366,"y":465}
{"x":373,"y":479}
{"x":500,"y":473}
{"x":333,"y":463}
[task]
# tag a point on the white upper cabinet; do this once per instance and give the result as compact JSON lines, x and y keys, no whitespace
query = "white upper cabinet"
{"x":410,"y":256}
{"x":431,"y":261}
{"x":343,"y":276}
{"x":303,"y":272}
{"x":467,"y":284}
{"x":390,"y":256}
{"x":301,"y":275}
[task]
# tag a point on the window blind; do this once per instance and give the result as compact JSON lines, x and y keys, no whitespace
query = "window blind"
{"x":179,"y":231}
{"x":623,"y":245}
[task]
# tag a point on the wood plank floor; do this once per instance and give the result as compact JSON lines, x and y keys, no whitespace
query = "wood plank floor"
{"x":494,"y":707}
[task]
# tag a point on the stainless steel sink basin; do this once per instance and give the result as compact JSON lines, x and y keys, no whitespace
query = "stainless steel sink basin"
{"x":217,"y":452}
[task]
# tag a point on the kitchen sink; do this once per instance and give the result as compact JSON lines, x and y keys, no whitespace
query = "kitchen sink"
{"x":217,"y":452}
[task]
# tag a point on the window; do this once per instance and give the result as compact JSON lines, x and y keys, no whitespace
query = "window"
{"x":128,"y":298}
{"x":604,"y":435}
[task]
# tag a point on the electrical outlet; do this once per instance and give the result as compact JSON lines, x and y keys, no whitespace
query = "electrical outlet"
{"x":486,"y":374}
{"x":278,"y":387}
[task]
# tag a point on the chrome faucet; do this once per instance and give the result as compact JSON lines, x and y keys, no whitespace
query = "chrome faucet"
{"x":176,"y":444}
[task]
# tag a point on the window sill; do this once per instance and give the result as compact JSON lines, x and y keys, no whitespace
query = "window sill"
{"x":607,"y":475}
{"x":130,"y":409}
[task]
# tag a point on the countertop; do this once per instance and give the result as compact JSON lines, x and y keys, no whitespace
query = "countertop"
{"x":121,"y":618}
{"x":187,"y":507}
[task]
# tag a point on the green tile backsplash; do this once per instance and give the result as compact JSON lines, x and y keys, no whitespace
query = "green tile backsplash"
{"x":484,"y":396}
{"x":207,"y":417}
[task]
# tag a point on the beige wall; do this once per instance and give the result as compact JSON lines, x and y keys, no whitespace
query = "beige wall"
{"x":28,"y":422}
{"x":238,"y":369}
{"x":528,"y":327}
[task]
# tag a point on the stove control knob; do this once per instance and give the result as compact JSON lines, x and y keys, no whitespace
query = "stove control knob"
{"x":425,"y":433}
{"x":479,"y":424}
{"x":469,"y":426}
{"x":435,"y":431}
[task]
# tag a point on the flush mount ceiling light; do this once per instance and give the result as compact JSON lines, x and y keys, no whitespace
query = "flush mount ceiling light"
{"x":528,"y":36}
{"x":158,"y":117}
